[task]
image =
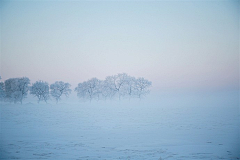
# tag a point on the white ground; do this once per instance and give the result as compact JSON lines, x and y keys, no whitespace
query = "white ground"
{"x":172,"y":127}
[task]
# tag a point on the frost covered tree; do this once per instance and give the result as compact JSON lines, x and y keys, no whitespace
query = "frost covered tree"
{"x":120,"y":85}
{"x":105,"y":90}
{"x":16,"y":89}
{"x":124,"y":85}
{"x":60,"y":88}
{"x":23,"y":86}
{"x":141,"y":87}
{"x":40,"y":90}
{"x":116,"y":84}
{"x":89,"y":89}
{"x":129,"y":87}
{"x":2,"y":91}
{"x":109,"y":86}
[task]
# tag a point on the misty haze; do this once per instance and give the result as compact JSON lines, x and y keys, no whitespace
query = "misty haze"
{"x":106,"y":80}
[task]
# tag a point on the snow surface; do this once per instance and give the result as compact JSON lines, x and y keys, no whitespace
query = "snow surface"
{"x":182,"y":127}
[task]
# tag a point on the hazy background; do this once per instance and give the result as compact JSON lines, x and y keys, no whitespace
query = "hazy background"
{"x":188,"y":49}
{"x":183,"y":45}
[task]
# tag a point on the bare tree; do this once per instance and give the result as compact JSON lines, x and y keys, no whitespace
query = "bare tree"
{"x":120,"y":85}
{"x":105,"y":90}
{"x":60,"y":88}
{"x":40,"y":90}
{"x":142,"y":87}
{"x":2,"y":90}
{"x":89,"y":89}
{"x":129,"y":87}
{"x":116,"y":84}
{"x":16,"y":89}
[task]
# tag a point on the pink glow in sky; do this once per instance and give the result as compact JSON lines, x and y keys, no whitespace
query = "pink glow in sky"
{"x":173,"y":44}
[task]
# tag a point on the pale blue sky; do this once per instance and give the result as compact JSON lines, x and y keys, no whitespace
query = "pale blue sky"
{"x":181,"y":44}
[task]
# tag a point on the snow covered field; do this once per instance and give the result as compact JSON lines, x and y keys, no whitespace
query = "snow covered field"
{"x":182,"y":127}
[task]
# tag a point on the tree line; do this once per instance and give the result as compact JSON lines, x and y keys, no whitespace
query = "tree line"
{"x":117,"y":86}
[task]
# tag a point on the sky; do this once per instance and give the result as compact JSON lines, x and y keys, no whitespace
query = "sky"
{"x":174,"y":44}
